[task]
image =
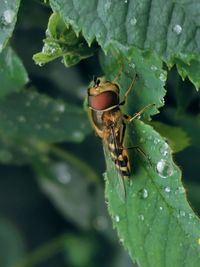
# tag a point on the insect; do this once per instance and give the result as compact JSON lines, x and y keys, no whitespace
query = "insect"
{"x":109,"y":123}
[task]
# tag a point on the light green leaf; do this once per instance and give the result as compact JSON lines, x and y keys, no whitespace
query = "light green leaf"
{"x":8,"y":18}
{"x":12,"y":247}
{"x":32,"y":116}
{"x":13,"y":75}
{"x":170,"y":29}
{"x":155,"y":210}
{"x":61,"y":41}
{"x":176,"y":137}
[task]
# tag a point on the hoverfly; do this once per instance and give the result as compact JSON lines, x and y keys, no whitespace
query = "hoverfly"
{"x":109,"y":123}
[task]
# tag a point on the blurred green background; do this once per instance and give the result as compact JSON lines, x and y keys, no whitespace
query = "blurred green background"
{"x":63,"y":221}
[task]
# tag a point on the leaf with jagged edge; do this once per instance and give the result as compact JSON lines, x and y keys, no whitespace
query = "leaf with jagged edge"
{"x":62,"y":41}
{"x":155,"y":210}
{"x":8,"y":18}
{"x":13,"y":75}
{"x":169,"y":28}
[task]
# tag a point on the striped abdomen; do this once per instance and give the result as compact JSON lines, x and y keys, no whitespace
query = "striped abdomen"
{"x":120,"y":157}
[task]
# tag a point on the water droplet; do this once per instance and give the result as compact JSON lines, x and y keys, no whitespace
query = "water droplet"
{"x":7,"y":17}
{"x":141,"y":216}
{"x":62,"y":173}
{"x":161,"y":208}
{"x":60,"y":107}
{"x":182,"y":213}
{"x":78,"y":135}
{"x":125,"y":1}
{"x":21,"y":119}
{"x":162,"y":77}
{"x":107,"y":5}
{"x":167,"y":189}
{"x":133,"y":21}
{"x":121,"y":240}
{"x":117,"y":219}
{"x":144,"y":193}
{"x":100,"y":223}
{"x":154,"y":68}
{"x":177,"y":29}
{"x":164,"y":168}
{"x":164,"y":149}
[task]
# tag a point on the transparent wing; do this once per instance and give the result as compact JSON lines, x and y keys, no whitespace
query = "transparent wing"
{"x":117,"y":180}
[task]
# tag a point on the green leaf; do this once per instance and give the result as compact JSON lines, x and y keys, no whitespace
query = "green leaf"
{"x":170,"y":29}
{"x":155,"y":210}
{"x":32,"y":116}
{"x":61,"y":41}
{"x":13,"y":75}
{"x":67,"y":186}
{"x":11,"y":244}
{"x":176,"y":137}
{"x":80,"y":251}
{"x":190,"y":124}
{"x":8,"y":18}
{"x":148,"y":87}
{"x":191,"y":69}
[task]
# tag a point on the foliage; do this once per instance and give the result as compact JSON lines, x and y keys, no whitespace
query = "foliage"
{"x":43,"y":125}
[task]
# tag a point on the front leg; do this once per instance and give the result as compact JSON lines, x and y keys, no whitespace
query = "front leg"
{"x":138,"y":114}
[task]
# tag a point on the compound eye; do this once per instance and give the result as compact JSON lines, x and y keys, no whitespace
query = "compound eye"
{"x":104,"y":100}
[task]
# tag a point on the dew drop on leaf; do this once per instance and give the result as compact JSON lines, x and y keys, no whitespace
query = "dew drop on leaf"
{"x":161,"y":208}
{"x":182,"y":213}
{"x":164,"y":168}
{"x":7,"y":17}
{"x":133,"y":21}
{"x":154,"y":68}
{"x":125,"y":1}
{"x":144,"y":193}
{"x":60,"y":107}
{"x":167,"y":189}
{"x":164,"y":149}
{"x":117,"y":219}
{"x":62,"y":173}
{"x":162,"y":77}
{"x":141,"y":216}
{"x":177,"y":29}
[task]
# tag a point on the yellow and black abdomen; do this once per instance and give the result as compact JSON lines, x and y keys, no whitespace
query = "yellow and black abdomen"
{"x":119,"y":156}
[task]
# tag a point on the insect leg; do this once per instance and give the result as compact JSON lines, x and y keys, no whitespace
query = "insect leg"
{"x":138,"y":114}
{"x":128,"y":91}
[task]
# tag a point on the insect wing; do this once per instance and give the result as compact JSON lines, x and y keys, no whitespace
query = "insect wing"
{"x":116,"y":181}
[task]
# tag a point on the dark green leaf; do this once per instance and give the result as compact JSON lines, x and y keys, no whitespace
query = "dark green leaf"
{"x":170,"y":29}
{"x":175,"y":136}
{"x":155,"y":210}
{"x":31,"y":116}
{"x":8,"y":17}
{"x":66,"y":184}
{"x":13,"y":75}
{"x":11,"y":244}
{"x":61,"y":41}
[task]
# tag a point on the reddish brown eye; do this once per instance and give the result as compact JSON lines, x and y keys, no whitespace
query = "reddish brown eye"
{"x":104,"y":100}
